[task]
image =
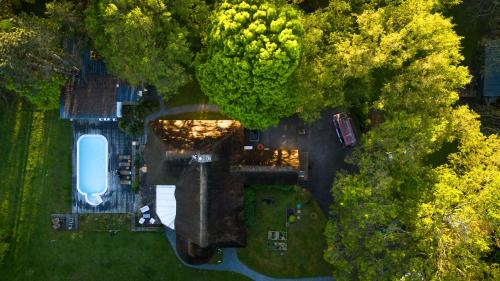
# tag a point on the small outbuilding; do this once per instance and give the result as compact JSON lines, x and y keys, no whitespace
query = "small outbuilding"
{"x":491,"y":75}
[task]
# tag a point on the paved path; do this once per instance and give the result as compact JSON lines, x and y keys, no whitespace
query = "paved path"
{"x":232,"y":263}
{"x":181,"y":109}
{"x":177,"y":110}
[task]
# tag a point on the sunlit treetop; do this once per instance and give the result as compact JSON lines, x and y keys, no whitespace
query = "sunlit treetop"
{"x":253,"y":49}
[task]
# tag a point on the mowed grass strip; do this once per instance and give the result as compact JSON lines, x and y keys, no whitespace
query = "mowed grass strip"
{"x":40,"y":253}
{"x":12,"y":155}
{"x":306,"y":241}
{"x":28,"y":193}
{"x":14,"y":138}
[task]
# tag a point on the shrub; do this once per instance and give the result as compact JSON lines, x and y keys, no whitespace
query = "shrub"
{"x":304,"y":196}
{"x":277,"y":187}
{"x":135,"y":186}
{"x":137,"y":160}
{"x":132,"y":121}
{"x":292,"y":218}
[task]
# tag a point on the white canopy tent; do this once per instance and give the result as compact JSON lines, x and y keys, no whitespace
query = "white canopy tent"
{"x":166,"y":204}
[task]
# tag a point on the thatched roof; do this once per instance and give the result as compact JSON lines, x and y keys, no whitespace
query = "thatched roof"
{"x":210,"y":203}
{"x":193,"y":134}
{"x":191,"y":195}
{"x":210,"y":195}
{"x":225,"y":200}
{"x":269,"y":158}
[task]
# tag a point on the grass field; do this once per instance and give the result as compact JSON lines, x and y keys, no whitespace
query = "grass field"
{"x":35,"y":176}
{"x":306,"y":242}
{"x":189,"y":94}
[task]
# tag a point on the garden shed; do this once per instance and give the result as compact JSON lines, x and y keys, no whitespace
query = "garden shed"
{"x":491,"y":76}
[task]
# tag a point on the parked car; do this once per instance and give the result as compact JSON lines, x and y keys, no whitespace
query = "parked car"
{"x":344,"y":129}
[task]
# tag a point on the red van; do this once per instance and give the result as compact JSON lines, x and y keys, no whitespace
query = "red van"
{"x":344,"y":129}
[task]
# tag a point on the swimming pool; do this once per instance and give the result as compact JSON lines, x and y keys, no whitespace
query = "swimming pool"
{"x":92,"y":167}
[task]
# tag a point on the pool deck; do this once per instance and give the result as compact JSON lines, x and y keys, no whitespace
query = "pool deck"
{"x":118,"y":198}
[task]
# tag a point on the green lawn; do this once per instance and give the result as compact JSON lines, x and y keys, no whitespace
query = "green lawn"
{"x":35,"y":176}
{"x":305,"y":237}
{"x":199,"y":115}
{"x":189,"y":94}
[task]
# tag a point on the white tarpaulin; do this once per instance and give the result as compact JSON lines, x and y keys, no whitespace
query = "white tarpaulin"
{"x":166,"y":205}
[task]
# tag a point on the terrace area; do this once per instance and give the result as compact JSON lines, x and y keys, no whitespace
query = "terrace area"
{"x":93,"y":93}
{"x":118,"y":198}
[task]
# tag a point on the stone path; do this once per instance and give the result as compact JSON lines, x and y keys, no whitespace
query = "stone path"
{"x":232,"y":263}
{"x":181,"y":109}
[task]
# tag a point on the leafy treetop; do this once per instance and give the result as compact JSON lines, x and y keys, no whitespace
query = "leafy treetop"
{"x":398,"y":216}
{"x":141,"y":42}
{"x":32,"y":64}
{"x":254,"y":47}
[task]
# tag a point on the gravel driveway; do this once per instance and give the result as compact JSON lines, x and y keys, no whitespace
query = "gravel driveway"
{"x":326,"y":155}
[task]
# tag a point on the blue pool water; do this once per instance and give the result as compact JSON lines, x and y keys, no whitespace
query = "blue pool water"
{"x":92,"y":173}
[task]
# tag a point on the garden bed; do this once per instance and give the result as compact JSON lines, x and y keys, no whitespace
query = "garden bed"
{"x":104,"y":222}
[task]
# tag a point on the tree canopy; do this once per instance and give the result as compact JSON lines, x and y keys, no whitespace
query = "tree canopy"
{"x":141,"y":42}
{"x":457,"y":227}
{"x":400,"y":216}
{"x":32,"y":63}
{"x":317,"y":78}
{"x":194,"y":15}
{"x":254,"y":47}
{"x":352,"y":61}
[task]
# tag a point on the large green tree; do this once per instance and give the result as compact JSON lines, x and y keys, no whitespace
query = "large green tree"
{"x":194,"y":14}
{"x":457,"y":228}
{"x":392,"y":218}
{"x":141,"y":42}
{"x":317,"y":78}
{"x":32,"y":64}
{"x":363,"y":61}
{"x":254,"y":48}
{"x":401,"y":218}
{"x":68,"y":17}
